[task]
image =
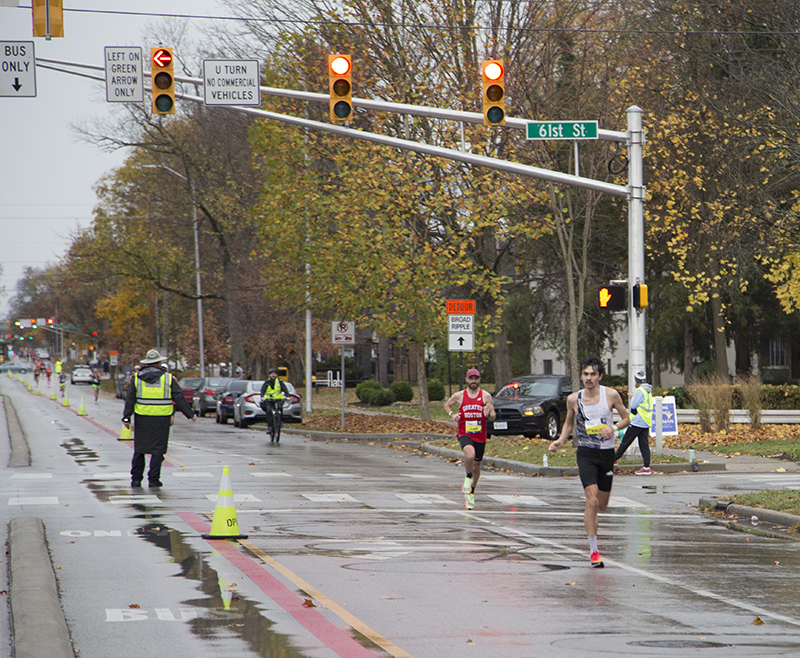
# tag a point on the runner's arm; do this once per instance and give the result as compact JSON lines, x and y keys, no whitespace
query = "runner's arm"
{"x":615,"y":402}
{"x":488,"y":407}
{"x":455,"y":399}
{"x":569,"y":423}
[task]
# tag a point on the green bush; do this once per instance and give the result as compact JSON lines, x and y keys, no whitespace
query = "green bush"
{"x":380,"y":397}
{"x":362,"y":390}
{"x":402,"y":391}
{"x":435,"y":390}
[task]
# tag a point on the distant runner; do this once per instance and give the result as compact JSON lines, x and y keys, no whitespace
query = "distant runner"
{"x":473,"y":407}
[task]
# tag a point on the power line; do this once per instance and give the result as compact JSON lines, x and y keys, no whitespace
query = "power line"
{"x":554,"y":30}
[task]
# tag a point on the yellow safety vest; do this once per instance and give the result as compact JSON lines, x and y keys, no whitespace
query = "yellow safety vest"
{"x":58,"y":367}
{"x":154,"y":399}
{"x":273,"y":391}
{"x":645,"y":409}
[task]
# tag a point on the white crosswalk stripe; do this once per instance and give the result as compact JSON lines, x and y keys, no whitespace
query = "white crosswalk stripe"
{"x":424,"y":499}
{"x":518,"y":499}
{"x":331,"y":498}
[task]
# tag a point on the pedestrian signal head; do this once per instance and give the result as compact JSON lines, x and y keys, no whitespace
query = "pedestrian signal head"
{"x":612,"y":297}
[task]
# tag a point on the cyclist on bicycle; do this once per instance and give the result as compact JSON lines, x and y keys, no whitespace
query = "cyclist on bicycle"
{"x":273,"y":393}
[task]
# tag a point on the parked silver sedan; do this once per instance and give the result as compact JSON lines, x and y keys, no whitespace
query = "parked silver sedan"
{"x":247,"y":407}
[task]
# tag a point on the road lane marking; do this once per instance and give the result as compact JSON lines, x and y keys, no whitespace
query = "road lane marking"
{"x":308,"y":617}
{"x":519,"y":500}
{"x":424,"y":499}
{"x":34,"y":500}
{"x":31,"y":476}
{"x":331,"y":498}
{"x":237,"y":498}
{"x":270,"y":475}
{"x":193,"y":474}
{"x":345,"y":475}
{"x":621,"y":501}
{"x":143,"y":499}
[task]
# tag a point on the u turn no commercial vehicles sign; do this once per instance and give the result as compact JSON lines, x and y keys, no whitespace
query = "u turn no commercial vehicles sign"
{"x":231,"y":82}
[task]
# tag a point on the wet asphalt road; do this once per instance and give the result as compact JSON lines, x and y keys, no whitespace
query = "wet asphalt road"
{"x":356,"y":550}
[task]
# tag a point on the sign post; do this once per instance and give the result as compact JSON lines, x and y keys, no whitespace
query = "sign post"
{"x":343,"y":333}
{"x":17,"y":69}
{"x":231,"y":82}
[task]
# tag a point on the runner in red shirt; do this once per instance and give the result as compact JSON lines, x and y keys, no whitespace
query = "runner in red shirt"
{"x":473,"y":406}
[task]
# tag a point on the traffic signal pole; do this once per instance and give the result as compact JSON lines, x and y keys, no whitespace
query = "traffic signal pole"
{"x":633,"y":138}
{"x":636,"y":197}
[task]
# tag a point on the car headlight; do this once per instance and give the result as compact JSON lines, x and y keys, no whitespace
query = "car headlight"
{"x":534,"y":410}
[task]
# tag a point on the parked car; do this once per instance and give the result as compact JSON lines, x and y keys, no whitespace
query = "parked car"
{"x":531,"y":405}
{"x":189,"y":386}
{"x":205,"y":397}
{"x":15,"y":366}
{"x":247,"y":407}
{"x":226,"y":397}
{"x":81,"y":375}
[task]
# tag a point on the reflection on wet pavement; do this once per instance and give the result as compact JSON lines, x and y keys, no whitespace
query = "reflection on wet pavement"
{"x":223,"y":613}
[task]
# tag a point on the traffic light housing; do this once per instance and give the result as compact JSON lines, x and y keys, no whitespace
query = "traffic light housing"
{"x":48,"y":18}
{"x":162,"y":81}
{"x":340,"y":68}
{"x":639,"y":294}
{"x":612,"y":297}
{"x":493,"y":78}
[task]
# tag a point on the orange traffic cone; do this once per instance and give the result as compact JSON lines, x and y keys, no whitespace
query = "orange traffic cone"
{"x":224,"y":525}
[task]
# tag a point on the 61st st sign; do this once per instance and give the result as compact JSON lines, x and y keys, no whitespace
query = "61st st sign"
{"x":17,"y":69}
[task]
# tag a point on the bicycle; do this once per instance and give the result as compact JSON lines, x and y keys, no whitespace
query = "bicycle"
{"x":274,"y":419}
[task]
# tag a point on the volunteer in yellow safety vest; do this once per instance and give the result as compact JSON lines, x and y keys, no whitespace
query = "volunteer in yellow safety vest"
{"x":641,"y":422}
{"x":273,"y":393}
{"x":150,"y":401}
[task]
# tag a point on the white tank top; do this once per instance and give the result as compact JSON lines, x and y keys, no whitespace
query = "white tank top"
{"x":589,"y":422}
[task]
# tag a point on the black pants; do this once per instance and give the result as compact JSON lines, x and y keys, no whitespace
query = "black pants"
{"x":137,"y":467}
{"x":641,"y":433}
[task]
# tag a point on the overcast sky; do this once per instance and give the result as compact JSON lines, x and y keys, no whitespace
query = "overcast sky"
{"x":46,"y":173}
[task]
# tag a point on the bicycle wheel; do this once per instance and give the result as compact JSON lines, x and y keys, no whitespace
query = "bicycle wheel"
{"x":278,"y":422}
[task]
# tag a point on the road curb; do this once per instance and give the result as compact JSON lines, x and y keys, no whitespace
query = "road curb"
{"x":766,"y":515}
{"x":318,"y":435}
{"x":20,"y":452}
{"x":40,"y":629}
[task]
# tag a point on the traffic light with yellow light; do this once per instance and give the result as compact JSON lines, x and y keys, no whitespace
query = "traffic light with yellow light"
{"x":48,"y":18}
{"x":493,"y":77}
{"x":612,"y":297}
{"x":639,"y":296}
{"x":162,"y":81}
{"x":340,"y":68}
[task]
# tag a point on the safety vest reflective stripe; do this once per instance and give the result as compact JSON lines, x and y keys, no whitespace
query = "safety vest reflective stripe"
{"x":645,"y":409}
{"x":274,"y":392}
{"x":154,"y":399}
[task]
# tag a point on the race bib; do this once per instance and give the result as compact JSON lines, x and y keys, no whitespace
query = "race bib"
{"x":471,"y":427}
{"x":594,"y":426}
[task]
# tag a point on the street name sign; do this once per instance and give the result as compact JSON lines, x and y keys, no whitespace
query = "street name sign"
{"x":17,"y":69}
{"x":124,"y":70}
{"x":343,"y":333}
{"x":231,"y":82}
{"x":461,"y":333}
{"x":562,"y":130}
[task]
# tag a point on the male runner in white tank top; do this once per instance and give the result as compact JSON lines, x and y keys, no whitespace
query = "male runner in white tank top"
{"x":589,"y":411}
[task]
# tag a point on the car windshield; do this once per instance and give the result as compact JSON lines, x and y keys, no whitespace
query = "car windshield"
{"x":237,"y":386}
{"x":217,"y":381}
{"x":541,"y":388}
{"x":190,"y":382}
{"x":76,"y":368}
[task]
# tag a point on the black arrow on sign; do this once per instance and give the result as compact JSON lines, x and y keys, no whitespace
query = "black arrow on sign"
{"x":16,"y":84}
{"x":461,"y":341}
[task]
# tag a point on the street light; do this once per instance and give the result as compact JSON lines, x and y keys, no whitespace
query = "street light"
{"x":196,"y":263}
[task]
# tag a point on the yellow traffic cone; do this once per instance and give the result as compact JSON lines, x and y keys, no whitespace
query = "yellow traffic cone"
{"x":125,"y":434}
{"x":224,"y":525}
{"x":66,"y":400}
{"x":53,"y":396}
{"x":38,"y":390}
{"x":82,"y":408}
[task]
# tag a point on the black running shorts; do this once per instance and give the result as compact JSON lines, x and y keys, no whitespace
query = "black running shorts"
{"x":596,"y":466}
{"x":479,"y":447}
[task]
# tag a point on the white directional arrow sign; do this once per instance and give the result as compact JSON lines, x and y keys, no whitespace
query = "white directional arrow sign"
{"x":461,"y":333}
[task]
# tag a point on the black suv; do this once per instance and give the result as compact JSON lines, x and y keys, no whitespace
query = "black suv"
{"x":531,"y":405}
